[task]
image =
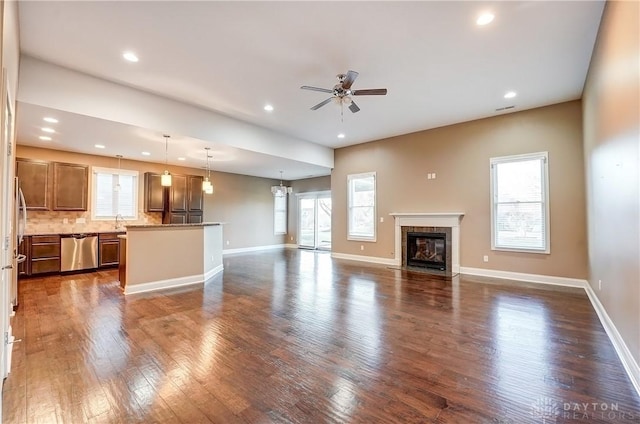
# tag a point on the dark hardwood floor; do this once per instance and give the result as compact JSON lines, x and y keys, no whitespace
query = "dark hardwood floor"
{"x":295,"y":336}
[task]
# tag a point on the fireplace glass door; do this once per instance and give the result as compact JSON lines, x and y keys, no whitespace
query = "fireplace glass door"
{"x":314,"y":220}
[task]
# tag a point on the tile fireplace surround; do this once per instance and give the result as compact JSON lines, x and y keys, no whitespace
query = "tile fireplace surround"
{"x":420,"y":219}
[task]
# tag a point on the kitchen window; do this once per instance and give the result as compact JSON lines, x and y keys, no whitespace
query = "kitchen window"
{"x":362,"y":206}
{"x":520,"y":203}
{"x":115,"y":192}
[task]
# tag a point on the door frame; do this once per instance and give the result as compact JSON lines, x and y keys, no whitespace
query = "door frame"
{"x":311,"y":195}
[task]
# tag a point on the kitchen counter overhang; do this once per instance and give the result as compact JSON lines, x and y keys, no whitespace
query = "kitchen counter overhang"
{"x":171,"y":255}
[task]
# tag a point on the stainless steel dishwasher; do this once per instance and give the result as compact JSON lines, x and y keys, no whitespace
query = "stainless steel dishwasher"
{"x":78,"y":251}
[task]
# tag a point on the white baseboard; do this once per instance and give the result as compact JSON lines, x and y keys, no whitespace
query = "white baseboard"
{"x":253,"y":249}
{"x":519,"y":276}
{"x":164,"y":284}
{"x":360,"y":258}
{"x":628,"y":361}
{"x":291,"y":246}
{"x":212,"y":272}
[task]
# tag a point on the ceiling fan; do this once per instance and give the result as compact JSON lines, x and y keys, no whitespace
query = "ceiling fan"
{"x":342,"y":91}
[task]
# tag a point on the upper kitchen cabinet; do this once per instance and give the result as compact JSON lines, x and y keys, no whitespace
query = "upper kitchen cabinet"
{"x":195,"y":203}
{"x":154,"y":193}
{"x":70,"y":186}
{"x":34,"y":180}
{"x":178,"y":193}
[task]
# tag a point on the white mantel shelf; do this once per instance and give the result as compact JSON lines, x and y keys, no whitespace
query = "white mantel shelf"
{"x":429,"y":219}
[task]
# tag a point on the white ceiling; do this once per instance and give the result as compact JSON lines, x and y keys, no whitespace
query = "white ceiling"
{"x":232,"y":58}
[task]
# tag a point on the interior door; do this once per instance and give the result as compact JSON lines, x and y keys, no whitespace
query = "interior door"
{"x":314,"y":220}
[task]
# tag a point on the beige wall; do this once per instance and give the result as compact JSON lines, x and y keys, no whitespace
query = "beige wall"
{"x":302,"y":186}
{"x":244,"y":203}
{"x":611,"y":105}
{"x":459,"y":155}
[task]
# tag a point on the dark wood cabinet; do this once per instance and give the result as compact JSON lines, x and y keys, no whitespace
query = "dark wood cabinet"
{"x":154,"y":193}
{"x":44,"y":254}
{"x":70,"y":186}
{"x":109,"y":249}
{"x":195,"y":198}
{"x":184,"y":203}
{"x":34,"y":180}
{"x":178,"y":193}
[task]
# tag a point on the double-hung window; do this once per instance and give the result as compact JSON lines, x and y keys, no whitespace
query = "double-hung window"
{"x":520,"y":203}
{"x":362,"y":206}
{"x":115,"y":192}
{"x":280,"y":214}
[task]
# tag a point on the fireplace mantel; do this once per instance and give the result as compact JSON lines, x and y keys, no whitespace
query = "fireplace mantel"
{"x":429,"y":219}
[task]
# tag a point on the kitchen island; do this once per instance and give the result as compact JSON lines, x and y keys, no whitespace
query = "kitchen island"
{"x":171,"y":255}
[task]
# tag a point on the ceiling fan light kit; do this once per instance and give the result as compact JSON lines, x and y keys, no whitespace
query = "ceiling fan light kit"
{"x":342,"y":92}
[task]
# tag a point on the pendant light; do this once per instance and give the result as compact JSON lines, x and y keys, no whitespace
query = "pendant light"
{"x":165,"y":180}
{"x":281,"y":190}
{"x":117,"y":187}
{"x":207,"y":187}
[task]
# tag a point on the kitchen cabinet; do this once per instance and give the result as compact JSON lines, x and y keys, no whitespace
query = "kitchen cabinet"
{"x":44,"y":254}
{"x":196,"y":195}
{"x":34,"y":180}
{"x":108,"y":249}
{"x":185,"y":200}
{"x":70,"y":186}
{"x":154,"y":193}
{"x":178,"y":193}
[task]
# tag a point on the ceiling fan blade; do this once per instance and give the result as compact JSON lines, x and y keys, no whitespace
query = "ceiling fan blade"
{"x":319,"y":105}
{"x":370,"y":92}
{"x":322,"y":90}
{"x":353,"y":107}
{"x":349,"y":79}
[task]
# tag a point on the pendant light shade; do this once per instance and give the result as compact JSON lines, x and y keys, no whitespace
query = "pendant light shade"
{"x":117,"y":186}
{"x":165,"y":180}
{"x":207,"y":187}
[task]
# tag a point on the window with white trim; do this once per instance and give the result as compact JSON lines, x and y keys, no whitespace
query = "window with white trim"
{"x":361,"y":189}
{"x":114,"y":192}
{"x":280,"y":214}
{"x":520,"y":203}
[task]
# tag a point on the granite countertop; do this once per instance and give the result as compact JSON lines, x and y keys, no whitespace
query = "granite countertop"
{"x":62,"y":233}
{"x":202,"y":224}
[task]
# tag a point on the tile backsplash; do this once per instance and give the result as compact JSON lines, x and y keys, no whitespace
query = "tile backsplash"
{"x":60,"y":222}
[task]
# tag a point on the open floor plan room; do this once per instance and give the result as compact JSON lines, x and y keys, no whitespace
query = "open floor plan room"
{"x":296,"y":336}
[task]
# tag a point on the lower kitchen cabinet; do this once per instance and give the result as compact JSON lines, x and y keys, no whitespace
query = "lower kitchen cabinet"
{"x":109,"y":249}
{"x":44,"y":254}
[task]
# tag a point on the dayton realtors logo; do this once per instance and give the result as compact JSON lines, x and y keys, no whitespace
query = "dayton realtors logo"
{"x":548,"y":411}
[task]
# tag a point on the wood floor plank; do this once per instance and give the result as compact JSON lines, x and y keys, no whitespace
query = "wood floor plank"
{"x":295,"y":336}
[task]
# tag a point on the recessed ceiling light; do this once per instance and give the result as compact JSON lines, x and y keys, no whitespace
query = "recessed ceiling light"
{"x":130,"y":56}
{"x":99,"y":146}
{"x":181,"y":159}
{"x":510,"y":94}
{"x":48,"y":130}
{"x":146,"y":154}
{"x":45,"y":138}
{"x":485,"y":18}
{"x":50,"y":120}
{"x":268,"y":108}
{"x":341,"y":135}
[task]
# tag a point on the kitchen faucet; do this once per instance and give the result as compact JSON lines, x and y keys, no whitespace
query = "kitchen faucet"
{"x":119,"y":220}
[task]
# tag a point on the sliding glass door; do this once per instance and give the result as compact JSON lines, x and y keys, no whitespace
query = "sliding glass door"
{"x":314,"y":220}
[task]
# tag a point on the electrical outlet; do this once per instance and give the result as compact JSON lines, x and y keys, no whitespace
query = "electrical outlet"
{"x":599,"y":284}
{"x":433,"y":176}
{"x":485,"y":258}
{"x":291,"y":238}
{"x":65,"y":221}
{"x":382,"y":219}
{"x":227,"y":242}
{"x":362,"y":247}
{"x":81,"y":221}
{"x":429,"y":176}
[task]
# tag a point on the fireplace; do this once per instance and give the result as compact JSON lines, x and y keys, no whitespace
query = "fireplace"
{"x":427,"y":250}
